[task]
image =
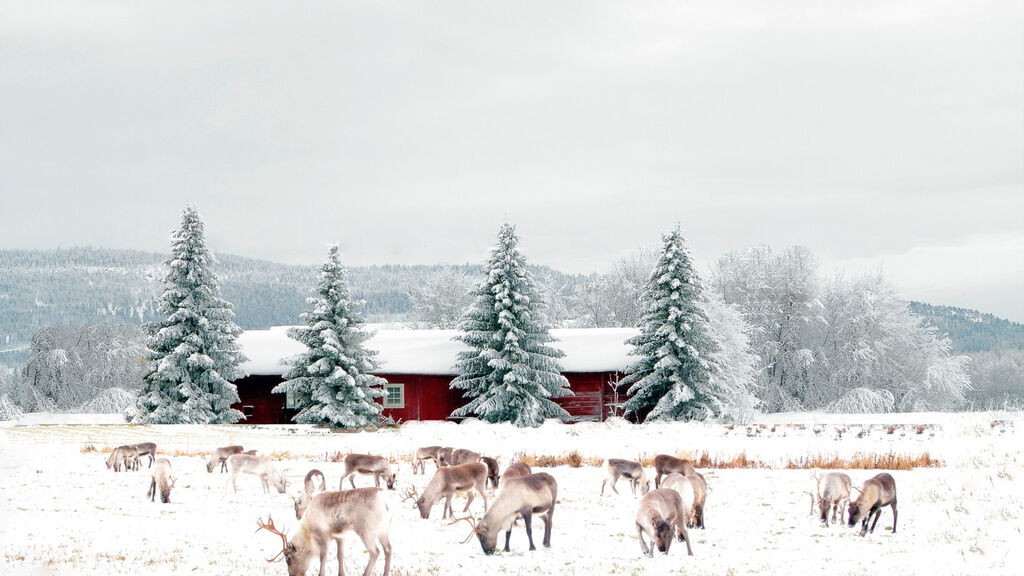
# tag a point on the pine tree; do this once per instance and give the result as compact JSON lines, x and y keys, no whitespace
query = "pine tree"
{"x":193,"y":353}
{"x":510,"y":372}
{"x":331,"y":382}
{"x":671,"y":381}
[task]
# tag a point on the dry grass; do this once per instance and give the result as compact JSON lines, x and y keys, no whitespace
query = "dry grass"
{"x":870,"y":461}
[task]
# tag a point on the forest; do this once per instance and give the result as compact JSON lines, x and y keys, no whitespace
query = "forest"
{"x":69,"y":318}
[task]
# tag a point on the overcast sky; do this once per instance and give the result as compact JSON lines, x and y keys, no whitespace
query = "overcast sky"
{"x":879,"y":134}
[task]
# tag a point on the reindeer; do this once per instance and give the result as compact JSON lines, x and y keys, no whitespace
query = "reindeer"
{"x":367,"y":464}
{"x":661,"y":511}
{"x":492,"y":470}
{"x":220,"y":456}
{"x":258,"y":465}
{"x":422,"y":455}
{"x":634,"y":471}
{"x":313,"y":484}
{"x":329,"y":516}
{"x":121,"y":456}
{"x":518,"y":498}
{"x":687,"y":488}
{"x":162,"y":479}
{"x":515,"y":470}
{"x":833,"y":491}
{"x":665,"y":464}
{"x":444,"y":456}
{"x":874,"y":494}
{"x":144,"y":449}
{"x":700,"y":496}
{"x":448,"y":481}
{"x":462,"y":455}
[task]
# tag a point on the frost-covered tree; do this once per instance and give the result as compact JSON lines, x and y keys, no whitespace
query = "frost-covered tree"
{"x":672,"y":378}
{"x":193,"y":352}
{"x":778,"y":294}
{"x":442,"y":299}
{"x":69,"y":365}
{"x":510,"y":372}
{"x":614,"y":299}
{"x":331,"y":382}
{"x":734,"y":363}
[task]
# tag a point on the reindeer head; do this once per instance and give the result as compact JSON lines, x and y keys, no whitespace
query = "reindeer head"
{"x":296,"y":560}
{"x":855,"y":511}
{"x":662,"y":537}
{"x":488,"y":541}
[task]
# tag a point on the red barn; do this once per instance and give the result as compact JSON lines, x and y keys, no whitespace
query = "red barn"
{"x":418,"y":365}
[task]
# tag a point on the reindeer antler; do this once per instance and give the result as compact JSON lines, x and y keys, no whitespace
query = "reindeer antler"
{"x":471,"y":521}
{"x":269,"y":526}
{"x":410,"y":494}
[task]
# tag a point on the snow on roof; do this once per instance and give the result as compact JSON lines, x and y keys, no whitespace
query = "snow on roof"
{"x":434,"y":351}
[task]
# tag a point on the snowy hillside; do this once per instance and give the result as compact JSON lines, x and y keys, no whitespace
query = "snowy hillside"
{"x":63,"y":512}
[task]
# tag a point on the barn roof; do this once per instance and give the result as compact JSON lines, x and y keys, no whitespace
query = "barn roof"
{"x":434,"y":351}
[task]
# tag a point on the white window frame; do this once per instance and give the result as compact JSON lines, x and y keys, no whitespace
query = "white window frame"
{"x":289,"y":400}
{"x":389,"y":402}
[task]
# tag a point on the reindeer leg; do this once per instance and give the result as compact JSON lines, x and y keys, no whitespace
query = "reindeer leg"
{"x":893,"y":514}
{"x":603,"y":482}
{"x":643,"y":545}
{"x":371,"y":547}
{"x":878,"y":514}
{"x":508,"y":536}
{"x":385,"y":543}
{"x":684,"y":536}
{"x":352,"y":481}
{"x":448,"y":507}
{"x":484,"y":494}
{"x":547,"y":527}
{"x":528,"y":521}
{"x":469,"y":500}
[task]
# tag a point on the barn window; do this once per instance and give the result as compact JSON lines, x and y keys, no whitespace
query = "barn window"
{"x":247,"y":410}
{"x":395,"y":397}
{"x":289,"y":400}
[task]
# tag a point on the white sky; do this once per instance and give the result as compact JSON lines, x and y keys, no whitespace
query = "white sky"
{"x":879,"y":134}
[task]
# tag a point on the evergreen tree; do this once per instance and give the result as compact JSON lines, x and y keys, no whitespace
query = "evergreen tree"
{"x":193,"y":353}
{"x":331,"y":382}
{"x":510,"y":372}
{"x":671,"y":381}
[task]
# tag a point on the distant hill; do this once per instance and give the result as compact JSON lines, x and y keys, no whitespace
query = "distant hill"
{"x":970,"y":330}
{"x":40,"y":288}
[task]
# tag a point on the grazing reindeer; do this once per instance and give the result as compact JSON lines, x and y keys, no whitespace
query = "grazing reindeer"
{"x":462,"y":455}
{"x":833,"y":491}
{"x":446,"y":482}
{"x":444,"y":456}
{"x":329,"y":516}
{"x":519,"y":498}
{"x":634,"y":471}
{"x":700,"y":495}
{"x":422,"y":455}
{"x":876,"y":492}
{"x":313,"y":484}
{"x":121,"y":456}
{"x":492,"y":470}
{"x":515,"y":470}
{"x":367,"y":464}
{"x":163,"y":480}
{"x":144,"y":449}
{"x":258,"y":465}
{"x":220,"y":456}
{"x":665,"y":464}
{"x":660,"y":512}
{"x":687,"y":488}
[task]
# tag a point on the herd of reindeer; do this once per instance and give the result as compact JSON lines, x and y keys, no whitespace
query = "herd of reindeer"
{"x":675,"y":504}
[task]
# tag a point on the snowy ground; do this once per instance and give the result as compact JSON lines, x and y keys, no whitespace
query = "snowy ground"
{"x":63,"y":512}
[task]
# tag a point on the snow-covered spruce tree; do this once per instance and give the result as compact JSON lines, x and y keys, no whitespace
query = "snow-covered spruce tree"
{"x":672,"y":378}
{"x":331,"y":383}
{"x":510,"y":373}
{"x":193,"y":353}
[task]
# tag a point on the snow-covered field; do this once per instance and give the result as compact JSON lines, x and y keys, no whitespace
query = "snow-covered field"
{"x":63,"y":512}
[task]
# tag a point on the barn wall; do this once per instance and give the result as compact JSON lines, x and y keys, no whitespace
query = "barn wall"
{"x":267,"y":408}
{"x":427,"y":397}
